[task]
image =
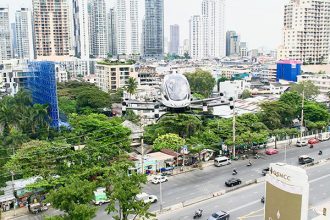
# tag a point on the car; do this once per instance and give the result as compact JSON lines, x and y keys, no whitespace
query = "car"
{"x":146,"y":198}
{"x":233,"y":182}
{"x":265,"y":171}
{"x":304,"y":159}
{"x":301,"y":143}
{"x":221,"y":215}
{"x":313,"y":141}
{"x":271,"y":151}
{"x":159,"y":179}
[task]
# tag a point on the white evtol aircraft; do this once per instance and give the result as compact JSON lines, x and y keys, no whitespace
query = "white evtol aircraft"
{"x":175,"y":95}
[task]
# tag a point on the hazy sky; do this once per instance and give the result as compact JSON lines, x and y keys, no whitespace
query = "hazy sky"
{"x":258,"y":21}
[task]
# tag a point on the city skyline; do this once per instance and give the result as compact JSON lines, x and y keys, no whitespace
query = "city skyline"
{"x":270,"y":11}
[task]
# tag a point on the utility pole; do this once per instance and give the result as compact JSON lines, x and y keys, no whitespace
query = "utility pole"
{"x":302,"y":114}
{"x":160,"y":196}
{"x":13,"y":187}
{"x":142,"y":152}
{"x":232,"y":105}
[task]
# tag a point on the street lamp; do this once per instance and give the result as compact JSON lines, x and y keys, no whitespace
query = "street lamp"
{"x":160,"y":197}
{"x":302,"y":114}
{"x":232,"y":107}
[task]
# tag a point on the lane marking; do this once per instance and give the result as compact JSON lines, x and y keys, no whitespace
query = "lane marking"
{"x":244,"y":206}
{"x":319,"y":178}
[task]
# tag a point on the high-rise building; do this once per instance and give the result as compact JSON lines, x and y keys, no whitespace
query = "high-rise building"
{"x":13,"y":39}
{"x":213,"y":25}
{"x":195,"y":37}
{"x":80,"y":28}
{"x":306,"y":31}
{"x":153,"y":29}
{"x":174,"y":39}
{"x":24,"y":34}
{"x":232,"y":43}
{"x":5,"y":41}
{"x":112,"y":36}
{"x":243,"y":51}
{"x":98,"y":28}
{"x":52,"y":29}
{"x":127,"y":26}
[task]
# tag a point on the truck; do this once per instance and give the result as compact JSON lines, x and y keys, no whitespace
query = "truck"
{"x":146,"y":198}
{"x":324,"y":136}
{"x":100,"y":196}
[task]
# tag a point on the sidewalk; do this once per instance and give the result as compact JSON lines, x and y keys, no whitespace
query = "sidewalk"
{"x":320,"y":209}
{"x":10,"y":214}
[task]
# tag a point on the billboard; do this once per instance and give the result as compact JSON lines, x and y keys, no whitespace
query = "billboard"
{"x":287,"y":192}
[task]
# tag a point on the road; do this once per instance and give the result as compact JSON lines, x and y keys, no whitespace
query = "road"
{"x":187,"y":186}
{"x":245,"y":202}
{"x":211,"y":179}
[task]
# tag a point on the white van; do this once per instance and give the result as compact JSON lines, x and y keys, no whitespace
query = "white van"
{"x":221,"y":161}
{"x":324,"y":136}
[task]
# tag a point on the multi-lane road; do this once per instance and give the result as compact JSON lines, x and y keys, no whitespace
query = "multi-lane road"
{"x":194,"y":184}
{"x":239,"y":203}
{"x":245,"y":203}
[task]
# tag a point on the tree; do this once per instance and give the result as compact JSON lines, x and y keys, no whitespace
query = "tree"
{"x":66,"y":105}
{"x":293,"y":98}
{"x":315,"y":112}
{"x":308,"y":88}
{"x":246,"y":94}
{"x":123,"y":189}
{"x":201,"y":82}
{"x":74,"y":199}
{"x":168,"y":141}
{"x":131,"y":85}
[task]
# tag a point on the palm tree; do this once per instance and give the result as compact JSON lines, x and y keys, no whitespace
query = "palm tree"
{"x":131,"y":85}
{"x":8,"y":119}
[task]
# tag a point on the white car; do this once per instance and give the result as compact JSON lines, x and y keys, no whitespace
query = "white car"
{"x":301,"y":143}
{"x":159,"y":179}
{"x":146,"y":198}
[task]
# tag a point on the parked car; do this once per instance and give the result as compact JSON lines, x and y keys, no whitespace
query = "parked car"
{"x":221,"y":215}
{"x":265,"y":171}
{"x":301,"y":143}
{"x":159,"y":179}
{"x":146,"y":198}
{"x":304,"y":159}
{"x":313,"y":141}
{"x":233,"y":182}
{"x":271,"y":151}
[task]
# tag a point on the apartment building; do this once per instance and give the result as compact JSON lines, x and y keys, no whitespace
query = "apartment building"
{"x":5,"y":40}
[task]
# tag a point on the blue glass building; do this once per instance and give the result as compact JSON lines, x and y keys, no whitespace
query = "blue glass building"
{"x":42,"y":85}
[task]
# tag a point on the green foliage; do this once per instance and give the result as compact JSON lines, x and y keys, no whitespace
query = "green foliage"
{"x":117,"y":97}
{"x":132,"y":85}
{"x":131,"y":116}
{"x":74,"y":199}
{"x":314,"y":112}
{"x":201,"y":82}
{"x":85,"y":97}
{"x":183,"y":125}
{"x":246,"y":94}
{"x":122,"y":192}
{"x":169,"y":141}
{"x":308,"y":88}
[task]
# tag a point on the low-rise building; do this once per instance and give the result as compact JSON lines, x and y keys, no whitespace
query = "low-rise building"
{"x":111,"y":75}
{"x":322,"y":81}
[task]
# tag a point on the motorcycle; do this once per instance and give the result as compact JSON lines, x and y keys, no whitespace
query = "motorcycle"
{"x":234,"y":173}
{"x":198,"y":214}
{"x":249,"y":164}
{"x":262,"y":200}
{"x":320,"y":152}
{"x":257,"y":156}
{"x":311,"y":146}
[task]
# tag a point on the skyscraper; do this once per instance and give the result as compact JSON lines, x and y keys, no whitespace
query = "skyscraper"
{"x":5,"y":41}
{"x":174,"y":39}
{"x":232,"y":43}
{"x":80,"y":28}
{"x":213,"y":24}
{"x":24,"y":34}
{"x":98,"y":28}
{"x":127,"y":26}
{"x":306,"y":31}
{"x":52,"y":27}
{"x":112,"y":36}
{"x":195,"y":37}
{"x":153,"y":29}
